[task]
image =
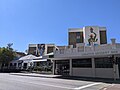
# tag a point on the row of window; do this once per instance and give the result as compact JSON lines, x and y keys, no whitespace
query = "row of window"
{"x":87,"y":63}
{"x":81,"y":63}
{"x":103,"y":63}
{"x":13,"y":64}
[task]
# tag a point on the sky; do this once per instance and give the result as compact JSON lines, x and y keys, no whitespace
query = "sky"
{"x":24,"y":22}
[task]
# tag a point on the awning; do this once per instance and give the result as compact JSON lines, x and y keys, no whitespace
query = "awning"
{"x":49,"y":54}
{"x":39,"y":60}
{"x":28,"y":57}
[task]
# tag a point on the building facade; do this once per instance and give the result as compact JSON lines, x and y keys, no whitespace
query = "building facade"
{"x":37,"y":58}
{"x":45,"y":51}
{"x":41,"y":49}
{"x":88,"y":54}
{"x":87,"y":34}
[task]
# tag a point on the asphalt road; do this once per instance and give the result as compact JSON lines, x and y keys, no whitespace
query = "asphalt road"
{"x":14,"y":82}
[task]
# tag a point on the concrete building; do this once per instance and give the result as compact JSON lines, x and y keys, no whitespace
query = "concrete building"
{"x":37,"y":57}
{"x":88,"y":54}
{"x":41,"y":49}
{"x":45,"y":51}
{"x":81,"y":35}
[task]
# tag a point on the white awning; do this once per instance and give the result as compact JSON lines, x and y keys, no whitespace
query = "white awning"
{"x":28,"y":57}
{"x":39,"y":60}
{"x":49,"y":54}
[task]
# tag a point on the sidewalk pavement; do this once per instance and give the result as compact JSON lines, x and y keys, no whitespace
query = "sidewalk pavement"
{"x":50,"y":75}
{"x":36,"y":75}
{"x":112,"y":87}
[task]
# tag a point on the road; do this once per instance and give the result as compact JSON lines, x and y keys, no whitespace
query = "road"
{"x":14,"y":82}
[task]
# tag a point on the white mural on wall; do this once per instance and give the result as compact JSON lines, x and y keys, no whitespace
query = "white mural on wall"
{"x":91,"y":35}
{"x":41,"y":49}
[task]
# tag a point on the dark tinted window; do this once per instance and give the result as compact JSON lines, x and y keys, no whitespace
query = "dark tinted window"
{"x":83,"y":63}
{"x":103,"y":63}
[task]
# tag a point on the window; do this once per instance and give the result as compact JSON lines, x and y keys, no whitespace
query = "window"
{"x":103,"y":37}
{"x":78,"y":40}
{"x":103,"y":63}
{"x":83,"y":63}
{"x":50,"y":49}
{"x":15,"y":64}
{"x":77,"y":33}
{"x":10,"y":64}
{"x":77,"y":37}
{"x":51,"y":56}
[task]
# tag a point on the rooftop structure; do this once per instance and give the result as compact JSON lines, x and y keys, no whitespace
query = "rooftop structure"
{"x":41,"y":49}
{"x":87,"y":34}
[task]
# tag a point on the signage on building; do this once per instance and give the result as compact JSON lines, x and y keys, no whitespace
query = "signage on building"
{"x":99,"y":53}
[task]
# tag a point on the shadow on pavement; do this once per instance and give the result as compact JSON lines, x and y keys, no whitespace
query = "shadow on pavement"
{"x":104,"y":80}
{"x":45,"y":75}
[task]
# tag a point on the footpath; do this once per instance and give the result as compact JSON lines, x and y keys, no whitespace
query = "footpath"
{"x":114,"y":85}
{"x":36,"y":75}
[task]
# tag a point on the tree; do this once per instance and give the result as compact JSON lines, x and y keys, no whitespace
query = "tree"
{"x":7,"y":54}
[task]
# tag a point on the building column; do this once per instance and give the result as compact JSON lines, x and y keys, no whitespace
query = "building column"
{"x":70,"y":73}
{"x":117,"y":71}
{"x":17,"y":65}
{"x":22,"y":65}
{"x":115,"y":68}
{"x":53,"y":69}
{"x":93,"y":67}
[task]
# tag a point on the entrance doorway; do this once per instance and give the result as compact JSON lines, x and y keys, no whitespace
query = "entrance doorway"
{"x":62,"y":67}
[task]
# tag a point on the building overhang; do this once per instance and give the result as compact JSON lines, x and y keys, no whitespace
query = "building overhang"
{"x":91,"y":54}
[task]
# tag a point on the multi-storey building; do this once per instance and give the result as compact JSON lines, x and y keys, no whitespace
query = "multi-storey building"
{"x":37,"y":58}
{"x":41,"y":49}
{"x":44,"y":51}
{"x":81,"y":35}
{"x":88,"y":54}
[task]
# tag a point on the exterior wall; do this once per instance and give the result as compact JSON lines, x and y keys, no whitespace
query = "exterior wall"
{"x":85,"y":72}
{"x":93,"y":72}
{"x":104,"y":72}
{"x":40,"y":49}
{"x":83,"y":35}
{"x":99,"y":72}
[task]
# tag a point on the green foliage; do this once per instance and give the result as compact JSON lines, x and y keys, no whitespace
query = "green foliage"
{"x":6,"y":54}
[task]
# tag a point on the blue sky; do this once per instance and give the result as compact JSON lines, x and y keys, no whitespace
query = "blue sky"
{"x":47,"y":21}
